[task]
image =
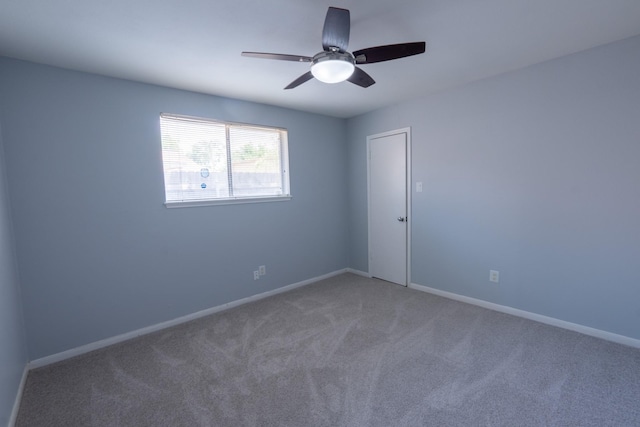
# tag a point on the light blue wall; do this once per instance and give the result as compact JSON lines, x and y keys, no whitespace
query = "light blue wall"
{"x":100,"y":255}
{"x":13,"y":351}
{"x":535,"y":173}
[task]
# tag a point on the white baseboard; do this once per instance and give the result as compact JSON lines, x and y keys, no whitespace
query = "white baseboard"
{"x":67,"y":354}
{"x":47,"y":360}
{"x":609,"y":336}
{"x":16,"y":405}
{"x":358,"y":272}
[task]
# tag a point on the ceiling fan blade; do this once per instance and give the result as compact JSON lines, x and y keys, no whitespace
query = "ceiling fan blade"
{"x":360,"y":78}
{"x":303,"y":78}
{"x":336,"y":29}
{"x":388,"y":52}
{"x":279,"y":56}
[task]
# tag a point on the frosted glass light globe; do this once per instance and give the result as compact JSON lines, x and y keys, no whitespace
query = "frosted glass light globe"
{"x":332,"y":67}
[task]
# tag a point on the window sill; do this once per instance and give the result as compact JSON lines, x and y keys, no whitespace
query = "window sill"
{"x":239,"y":200}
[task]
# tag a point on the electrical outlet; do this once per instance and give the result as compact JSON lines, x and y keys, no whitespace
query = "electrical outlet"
{"x":494,"y":276}
{"x":263,"y":270}
{"x":256,"y":275}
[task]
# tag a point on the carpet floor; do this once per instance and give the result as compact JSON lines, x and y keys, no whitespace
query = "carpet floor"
{"x":346,"y":351}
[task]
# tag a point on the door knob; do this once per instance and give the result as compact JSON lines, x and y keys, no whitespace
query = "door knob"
{"x":401,"y":219}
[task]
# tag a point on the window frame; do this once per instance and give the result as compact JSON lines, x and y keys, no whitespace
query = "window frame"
{"x":284,"y":163}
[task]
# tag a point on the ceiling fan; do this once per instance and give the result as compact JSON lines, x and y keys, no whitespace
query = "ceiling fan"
{"x":334,"y":64}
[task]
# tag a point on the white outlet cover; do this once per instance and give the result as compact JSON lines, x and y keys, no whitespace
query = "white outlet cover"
{"x":494,"y":276}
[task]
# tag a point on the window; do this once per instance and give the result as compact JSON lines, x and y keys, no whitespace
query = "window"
{"x":210,"y":162}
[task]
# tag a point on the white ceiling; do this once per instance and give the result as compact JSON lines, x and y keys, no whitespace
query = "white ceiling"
{"x":196,"y":44}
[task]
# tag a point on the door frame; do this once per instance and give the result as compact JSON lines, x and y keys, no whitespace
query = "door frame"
{"x":408,"y":188}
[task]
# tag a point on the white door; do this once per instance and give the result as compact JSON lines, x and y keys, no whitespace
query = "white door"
{"x":389,"y":206}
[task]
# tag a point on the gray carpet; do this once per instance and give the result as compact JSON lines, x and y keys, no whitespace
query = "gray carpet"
{"x":347,"y":351}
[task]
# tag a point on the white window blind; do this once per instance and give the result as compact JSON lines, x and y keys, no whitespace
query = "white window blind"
{"x":209,"y":162}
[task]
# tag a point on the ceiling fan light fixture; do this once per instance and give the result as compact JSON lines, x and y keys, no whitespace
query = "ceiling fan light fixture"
{"x":332,"y":67}
{"x":335,"y":64}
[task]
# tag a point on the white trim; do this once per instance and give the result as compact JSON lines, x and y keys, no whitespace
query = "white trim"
{"x":228,"y":201}
{"x":598,"y":333}
{"x":408,"y":189}
{"x":16,"y":404}
{"x":67,"y":354}
{"x":358,"y":272}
